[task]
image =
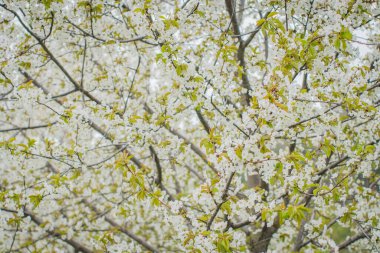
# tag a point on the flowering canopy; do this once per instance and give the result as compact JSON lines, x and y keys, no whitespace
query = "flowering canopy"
{"x":189,"y":126}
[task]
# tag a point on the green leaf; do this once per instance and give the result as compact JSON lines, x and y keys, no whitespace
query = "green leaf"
{"x":31,"y":142}
{"x":297,"y":212}
{"x":239,"y":151}
{"x":15,"y":221}
{"x":295,"y":157}
{"x":139,"y":10}
{"x":278,"y":24}
{"x":189,"y":236}
{"x":163,"y":99}
{"x":206,"y":233}
{"x":281,"y":106}
{"x":346,"y":34}
{"x":25,"y":65}
{"x":36,"y":200}
{"x":260,"y":22}
{"x":254,"y":103}
{"x":141,"y":194}
{"x":264,"y":214}
{"x":204,"y":218}
{"x":181,"y":68}
{"x":223,"y":243}
{"x":156,"y":201}
{"x":327,"y":150}
{"x":337,"y":43}
{"x":207,"y":144}
{"x":370,"y":149}
{"x":279,"y":166}
{"x":27,"y":85}
{"x":47,"y":3}
{"x":226,"y":206}
{"x":198,"y":79}
{"x":272,"y":14}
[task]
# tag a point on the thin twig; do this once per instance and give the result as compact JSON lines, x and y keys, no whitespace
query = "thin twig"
{"x":27,"y":128}
{"x":224,"y":197}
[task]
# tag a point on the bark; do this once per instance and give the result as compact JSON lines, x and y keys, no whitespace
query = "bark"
{"x":261,"y":242}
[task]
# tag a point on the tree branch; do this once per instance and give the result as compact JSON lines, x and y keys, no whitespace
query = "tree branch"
{"x":112,"y":222}
{"x":300,"y":245}
{"x":52,"y":57}
{"x":224,"y":197}
{"x":353,"y":239}
{"x":254,"y":32}
{"x":27,"y":128}
{"x":90,"y":122}
{"x":203,"y":120}
{"x":73,"y":243}
{"x":139,"y":38}
{"x":158,"y":180}
{"x":231,"y":9}
{"x":187,"y":141}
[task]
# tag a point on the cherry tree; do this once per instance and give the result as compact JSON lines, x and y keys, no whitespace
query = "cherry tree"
{"x":189,"y":126}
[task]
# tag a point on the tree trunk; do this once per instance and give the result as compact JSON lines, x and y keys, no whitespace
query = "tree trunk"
{"x":260,"y":244}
